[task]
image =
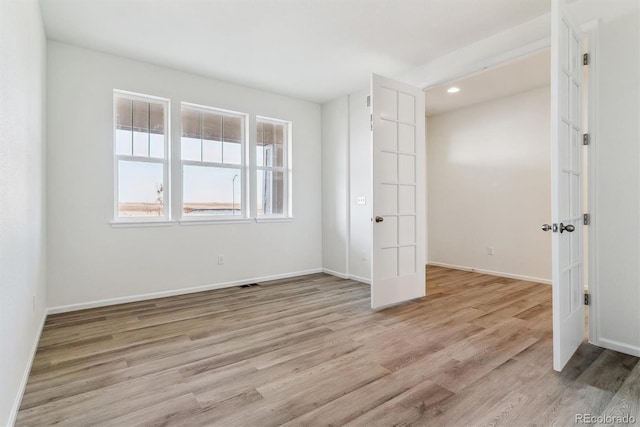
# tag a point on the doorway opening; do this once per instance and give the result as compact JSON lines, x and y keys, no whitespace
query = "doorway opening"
{"x":489,"y":173}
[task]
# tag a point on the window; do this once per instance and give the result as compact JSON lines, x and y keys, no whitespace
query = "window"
{"x":141,"y":158}
{"x":273,"y":168}
{"x":213,"y":163}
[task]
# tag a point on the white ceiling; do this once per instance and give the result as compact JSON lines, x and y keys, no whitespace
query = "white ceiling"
{"x":516,"y":76}
{"x":310,"y":49}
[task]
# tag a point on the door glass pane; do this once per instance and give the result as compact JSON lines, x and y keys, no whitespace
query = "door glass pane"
{"x":212,"y":191}
{"x":387,"y":263}
{"x":270,"y":192}
{"x":406,"y":260}
{"x":406,"y":199}
{"x":388,"y":231}
{"x":406,"y":108}
{"x":388,"y":103}
{"x":140,"y":189}
{"x":406,"y":138}
{"x":406,"y":169}
{"x":406,"y":230}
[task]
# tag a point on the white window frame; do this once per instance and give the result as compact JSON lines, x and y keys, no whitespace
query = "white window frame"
{"x":287,"y":168}
{"x":244,"y":170}
{"x":165,"y":219}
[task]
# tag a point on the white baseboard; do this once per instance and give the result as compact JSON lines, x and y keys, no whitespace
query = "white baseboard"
{"x":620,"y":347}
{"x":347,"y":276}
{"x":25,"y":375}
{"x":492,"y":273}
{"x":360,"y":279}
{"x":335,"y":273}
{"x":173,"y":292}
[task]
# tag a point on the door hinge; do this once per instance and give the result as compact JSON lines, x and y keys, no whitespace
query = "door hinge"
{"x":586,"y":139}
{"x":586,"y":219}
{"x":585,"y":59}
{"x":587,"y":298}
{"x":368,"y":100}
{"x":371,"y":117}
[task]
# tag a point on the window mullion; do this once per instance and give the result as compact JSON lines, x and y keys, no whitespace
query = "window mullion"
{"x":124,"y":157}
{"x":131,"y":127}
{"x":149,"y":129}
{"x":212,"y":164}
{"x":222,"y":138}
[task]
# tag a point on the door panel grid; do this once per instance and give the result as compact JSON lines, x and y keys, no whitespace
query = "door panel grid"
{"x":571,"y":165}
{"x":397,"y":251}
{"x":397,"y":171}
{"x":567,"y":209}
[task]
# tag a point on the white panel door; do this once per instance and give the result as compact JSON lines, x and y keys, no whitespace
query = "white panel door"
{"x":398,"y":141}
{"x":566,"y":185}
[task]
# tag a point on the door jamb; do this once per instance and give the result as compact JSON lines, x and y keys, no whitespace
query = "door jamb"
{"x":590,"y":29}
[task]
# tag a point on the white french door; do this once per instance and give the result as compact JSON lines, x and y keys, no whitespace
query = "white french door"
{"x":398,"y":141}
{"x":566,"y":184}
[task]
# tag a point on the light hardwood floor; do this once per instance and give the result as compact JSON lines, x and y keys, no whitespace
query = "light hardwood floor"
{"x":310,"y":351}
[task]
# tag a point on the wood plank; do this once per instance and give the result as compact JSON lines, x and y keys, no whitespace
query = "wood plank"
{"x":310,"y":351}
{"x":626,"y":402}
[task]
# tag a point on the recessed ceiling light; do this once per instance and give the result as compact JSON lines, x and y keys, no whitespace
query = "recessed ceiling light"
{"x":453,"y":89}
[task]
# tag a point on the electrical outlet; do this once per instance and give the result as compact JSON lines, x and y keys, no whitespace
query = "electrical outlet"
{"x":220,"y":259}
{"x":490,"y":250}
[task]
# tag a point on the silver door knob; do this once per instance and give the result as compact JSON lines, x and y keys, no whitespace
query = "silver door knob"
{"x":379,"y":219}
{"x":546,"y":227}
{"x":569,"y":228}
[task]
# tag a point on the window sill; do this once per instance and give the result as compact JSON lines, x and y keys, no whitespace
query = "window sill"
{"x":133,"y":224}
{"x":275,"y":219}
{"x":209,"y":221}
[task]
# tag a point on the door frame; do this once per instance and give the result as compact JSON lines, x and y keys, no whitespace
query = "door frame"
{"x":590,"y":29}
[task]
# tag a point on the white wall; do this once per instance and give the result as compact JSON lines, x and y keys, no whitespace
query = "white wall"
{"x":488,"y":185}
{"x":618,"y":182}
{"x":335,"y":185}
{"x":346,"y":159}
{"x":360,"y":225}
{"x":91,"y":261}
{"x":22,"y":196}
